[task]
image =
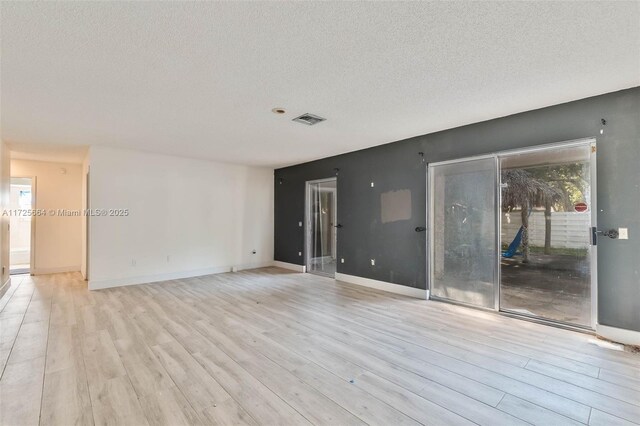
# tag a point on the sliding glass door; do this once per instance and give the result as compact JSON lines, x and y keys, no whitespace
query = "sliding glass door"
{"x":546,"y":263}
{"x":513,"y":232}
{"x":463,"y":231}
{"x":322,"y":226}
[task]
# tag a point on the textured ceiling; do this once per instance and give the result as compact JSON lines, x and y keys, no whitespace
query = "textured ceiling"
{"x":200,"y":79}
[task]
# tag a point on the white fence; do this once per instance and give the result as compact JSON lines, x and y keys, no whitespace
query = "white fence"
{"x":568,"y":229}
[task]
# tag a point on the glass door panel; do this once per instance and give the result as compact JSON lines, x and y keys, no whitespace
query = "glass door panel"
{"x":321,"y":227}
{"x":463,"y":246}
{"x":545,"y":264}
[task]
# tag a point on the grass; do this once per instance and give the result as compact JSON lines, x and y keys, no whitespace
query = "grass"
{"x":558,"y":251}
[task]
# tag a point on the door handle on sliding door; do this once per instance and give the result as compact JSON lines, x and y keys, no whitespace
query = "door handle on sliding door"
{"x":611,"y":233}
{"x":420,"y":229}
{"x":338,"y":226}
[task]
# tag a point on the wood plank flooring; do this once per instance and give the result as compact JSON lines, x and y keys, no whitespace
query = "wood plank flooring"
{"x":267,"y":347}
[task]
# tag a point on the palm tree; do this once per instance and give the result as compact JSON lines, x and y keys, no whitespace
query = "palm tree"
{"x":521,"y":189}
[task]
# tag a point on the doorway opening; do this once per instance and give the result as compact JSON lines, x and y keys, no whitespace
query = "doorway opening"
{"x":511,"y":232}
{"x":21,"y":224}
{"x":321,"y":226}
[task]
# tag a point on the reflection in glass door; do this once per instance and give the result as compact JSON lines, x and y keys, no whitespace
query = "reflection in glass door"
{"x":462,"y":212}
{"x":546,"y":207}
{"x":322,"y":226}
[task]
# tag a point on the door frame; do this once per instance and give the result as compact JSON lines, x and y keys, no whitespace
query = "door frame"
{"x":32,"y":237}
{"x":307,"y":223}
{"x":87,"y":224}
{"x":588,"y":141}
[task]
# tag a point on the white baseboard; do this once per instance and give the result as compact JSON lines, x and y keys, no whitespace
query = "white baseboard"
{"x":147,"y":279}
{"x":618,"y":335}
{"x":56,"y":270}
{"x":252,"y":266}
{"x":383,"y":285}
{"x":290,"y":266}
{"x":5,"y":286}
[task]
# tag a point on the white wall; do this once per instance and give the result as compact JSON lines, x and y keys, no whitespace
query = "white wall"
{"x":186,"y":217}
{"x":58,"y":239}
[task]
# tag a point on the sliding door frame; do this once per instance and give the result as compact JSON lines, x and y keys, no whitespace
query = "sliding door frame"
{"x":308,"y":240}
{"x":589,"y":141}
{"x":593,"y":260}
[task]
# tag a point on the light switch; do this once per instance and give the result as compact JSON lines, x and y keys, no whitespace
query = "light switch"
{"x":623,"y":233}
{"x":373,"y":184}
{"x":300,"y":224}
{"x":342,"y":260}
{"x":373,"y":262}
{"x":299,"y":253}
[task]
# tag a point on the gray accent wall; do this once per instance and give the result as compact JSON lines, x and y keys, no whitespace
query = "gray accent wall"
{"x":400,"y":252}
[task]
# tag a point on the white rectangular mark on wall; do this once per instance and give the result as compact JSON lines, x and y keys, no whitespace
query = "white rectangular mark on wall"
{"x":395,"y":205}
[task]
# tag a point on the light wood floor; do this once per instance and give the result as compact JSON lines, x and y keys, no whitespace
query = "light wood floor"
{"x":270,"y":347}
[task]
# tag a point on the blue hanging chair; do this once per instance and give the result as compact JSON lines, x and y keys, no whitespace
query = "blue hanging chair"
{"x":513,"y":247}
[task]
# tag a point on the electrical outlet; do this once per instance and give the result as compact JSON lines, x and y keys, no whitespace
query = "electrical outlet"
{"x":373,"y":262}
{"x":623,"y":233}
{"x":373,"y":184}
{"x":342,"y":260}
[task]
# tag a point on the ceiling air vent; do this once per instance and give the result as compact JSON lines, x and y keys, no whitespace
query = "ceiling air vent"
{"x":309,"y":119}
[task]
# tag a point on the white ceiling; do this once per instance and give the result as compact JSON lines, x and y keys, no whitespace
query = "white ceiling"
{"x":200,"y":79}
